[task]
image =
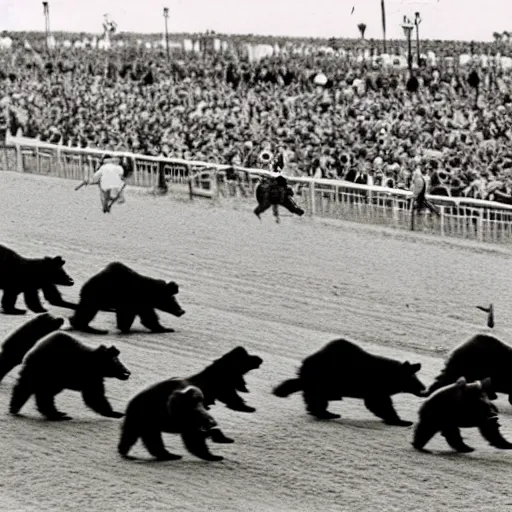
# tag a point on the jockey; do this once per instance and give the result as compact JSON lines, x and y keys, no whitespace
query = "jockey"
{"x":110,"y":177}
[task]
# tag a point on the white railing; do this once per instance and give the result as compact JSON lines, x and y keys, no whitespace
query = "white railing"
{"x":462,"y":217}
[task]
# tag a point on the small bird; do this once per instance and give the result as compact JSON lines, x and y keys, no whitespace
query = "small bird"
{"x":490,"y":314}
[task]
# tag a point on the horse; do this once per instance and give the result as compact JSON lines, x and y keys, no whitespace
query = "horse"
{"x":275,"y":192}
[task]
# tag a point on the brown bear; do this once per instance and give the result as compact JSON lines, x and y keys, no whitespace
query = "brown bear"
{"x":343,"y":369}
{"x":456,"y":406}
{"x":119,"y":288}
{"x":175,"y":407}
{"x":22,"y":339}
{"x":28,"y":276}
{"x":480,"y":357}
{"x":60,"y":361}
{"x":147,"y":414}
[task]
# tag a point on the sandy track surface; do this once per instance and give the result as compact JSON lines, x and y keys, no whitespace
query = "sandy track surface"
{"x":282,"y":291}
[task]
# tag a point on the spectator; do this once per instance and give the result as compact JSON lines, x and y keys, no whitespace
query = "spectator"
{"x":361,"y":126}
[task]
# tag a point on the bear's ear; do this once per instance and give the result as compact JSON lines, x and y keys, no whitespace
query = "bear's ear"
{"x":172,"y":287}
{"x":191,"y":393}
{"x":239,"y":351}
{"x":113,"y":351}
{"x":461,"y":381}
{"x":59,"y":261}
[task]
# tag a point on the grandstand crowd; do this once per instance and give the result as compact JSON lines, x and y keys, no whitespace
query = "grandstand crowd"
{"x":363,"y":125}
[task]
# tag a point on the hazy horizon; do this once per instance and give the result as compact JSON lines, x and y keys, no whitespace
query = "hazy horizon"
{"x":441,"y":19}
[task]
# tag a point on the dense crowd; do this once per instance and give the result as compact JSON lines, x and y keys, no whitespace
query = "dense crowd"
{"x":363,"y":125}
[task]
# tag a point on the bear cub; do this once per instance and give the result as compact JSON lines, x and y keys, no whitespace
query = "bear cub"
{"x":174,"y":407}
{"x":456,"y":406}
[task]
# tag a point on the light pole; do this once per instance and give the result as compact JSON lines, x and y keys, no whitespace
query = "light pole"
{"x":383,"y":15}
{"x":417,"y":21}
{"x":408,"y":27}
{"x":166,"y":17}
{"x":46,"y":13}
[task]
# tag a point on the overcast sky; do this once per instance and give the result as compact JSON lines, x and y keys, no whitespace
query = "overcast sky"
{"x":442,"y":19}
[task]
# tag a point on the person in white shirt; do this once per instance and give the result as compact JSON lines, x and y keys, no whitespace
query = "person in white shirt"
{"x":110,"y":177}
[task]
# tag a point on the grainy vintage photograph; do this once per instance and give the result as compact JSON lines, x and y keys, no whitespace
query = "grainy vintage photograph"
{"x":255,"y":255}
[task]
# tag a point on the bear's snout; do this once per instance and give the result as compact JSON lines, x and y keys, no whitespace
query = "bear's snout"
{"x":180,"y":312}
{"x":125,"y":374}
{"x":256,"y":361}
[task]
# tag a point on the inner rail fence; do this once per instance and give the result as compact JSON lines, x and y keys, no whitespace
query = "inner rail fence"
{"x":485,"y":221}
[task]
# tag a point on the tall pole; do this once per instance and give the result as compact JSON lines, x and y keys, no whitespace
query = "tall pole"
{"x":166,"y":17}
{"x":46,"y":12}
{"x":409,"y":56}
{"x":417,"y":21}
{"x":383,"y":13}
{"x":408,"y":27}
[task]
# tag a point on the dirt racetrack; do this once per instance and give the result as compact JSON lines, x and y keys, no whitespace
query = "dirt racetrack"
{"x":282,"y":291}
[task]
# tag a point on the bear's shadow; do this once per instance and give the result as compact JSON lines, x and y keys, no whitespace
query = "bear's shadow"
{"x":367,"y":424}
{"x":479,"y":456}
{"x":114,"y":331}
{"x":135,"y":330}
{"x":73,"y":423}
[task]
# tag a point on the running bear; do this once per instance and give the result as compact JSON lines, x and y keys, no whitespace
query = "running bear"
{"x":459,"y":405}
{"x":21,"y":340}
{"x":175,"y":407}
{"x":119,"y":288}
{"x":343,"y":369}
{"x":148,"y":414}
{"x":275,"y":192}
{"x":60,"y":361}
{"x":480,"y":357}
{"x":28,"y":276}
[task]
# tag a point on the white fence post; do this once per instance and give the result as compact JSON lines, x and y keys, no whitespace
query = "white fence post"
{"x":19,"y":158}
{"x":312,"y":196}
{"x":479,"y":226}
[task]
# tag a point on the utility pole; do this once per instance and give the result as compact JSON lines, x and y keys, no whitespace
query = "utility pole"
{"x":166,"y":17}
{"x":417,"y":21}
{"x":383,"y":13}
{"x":408,"y":28}
{"x":46,"y":13}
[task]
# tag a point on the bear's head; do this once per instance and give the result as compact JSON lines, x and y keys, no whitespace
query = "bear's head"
{"x":409,"y":382}
{"x":473,"y":401}
{"x":47,"y":323}
{"x":167,"y":302}
{"x":109,"y":364}
{"x":187,"y":411}
{"x":55,"y":272}
{"x":227,"y":377}
{"x":478,"y":389}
